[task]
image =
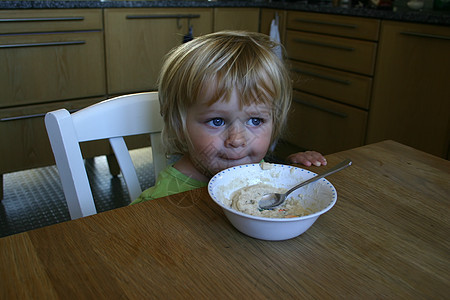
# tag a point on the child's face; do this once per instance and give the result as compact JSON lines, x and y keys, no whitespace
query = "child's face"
{"x":225,"y":134}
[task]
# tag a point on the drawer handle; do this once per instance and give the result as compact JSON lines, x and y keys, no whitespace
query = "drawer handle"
{"x":43,"y":19}
{"x":326,"y":23}
{"x":329,"y":78}
{"x":426,"y":35}
{"x":318,"y":107}
{"x":176,"y":16}
{"x":29,"y":116}
{"x":43,"y":44}
{"x":339,"y":47}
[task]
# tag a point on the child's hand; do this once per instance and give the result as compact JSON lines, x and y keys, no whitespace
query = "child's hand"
{"x":307,"y":158}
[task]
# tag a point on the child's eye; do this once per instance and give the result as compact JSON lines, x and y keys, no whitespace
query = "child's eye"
{"x":254,"y":121}
{"x":216,"y":122}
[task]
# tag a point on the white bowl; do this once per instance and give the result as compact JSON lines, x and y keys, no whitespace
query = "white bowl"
{"x":321,"y":195}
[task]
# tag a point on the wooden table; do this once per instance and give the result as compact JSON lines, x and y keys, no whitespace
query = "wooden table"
{"x":387,"y":237}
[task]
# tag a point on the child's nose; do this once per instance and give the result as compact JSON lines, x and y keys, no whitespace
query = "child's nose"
{"x":236,"y":137}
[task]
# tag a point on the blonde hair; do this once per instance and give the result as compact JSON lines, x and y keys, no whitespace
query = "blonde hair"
{"x":227,"y":60}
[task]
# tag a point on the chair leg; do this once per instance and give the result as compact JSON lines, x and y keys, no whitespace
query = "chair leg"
{"x":114,"y":168}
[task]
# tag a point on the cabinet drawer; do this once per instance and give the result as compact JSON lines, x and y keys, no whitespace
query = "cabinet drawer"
{"x":353,"y":27}
{"x":25,"y":142}
{"x":20,"y":21}
{"x":40,"y":68}
{"x":325,"y":126}
{"x":345,"y":87}
{"x":335,"y":52}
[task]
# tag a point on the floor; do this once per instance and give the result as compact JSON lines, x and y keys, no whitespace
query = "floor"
{"x":34,"y":198}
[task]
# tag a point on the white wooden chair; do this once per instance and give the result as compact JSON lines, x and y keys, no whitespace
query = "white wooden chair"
{"x":110,"y":119}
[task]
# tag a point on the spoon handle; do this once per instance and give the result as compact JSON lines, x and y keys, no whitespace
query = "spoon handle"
{"x":342,"y":165}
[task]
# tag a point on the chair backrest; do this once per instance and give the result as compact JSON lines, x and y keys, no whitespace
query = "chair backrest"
{"x":110,"y":119}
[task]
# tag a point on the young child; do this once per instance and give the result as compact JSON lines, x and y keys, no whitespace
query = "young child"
{"x":224,"y":99}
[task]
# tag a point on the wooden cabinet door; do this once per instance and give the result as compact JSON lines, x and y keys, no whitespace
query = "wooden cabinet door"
{"x":49,"y":67}
{"x":336,"y":25}
{"x":344,"y":87}
{"x":25,"y":142}
{"x":50,"y":56}
{"x":49,"y":20}
{"x":236,"y":19}
{"x":341,"y":53}
{"x":138,"y":39}
{"x":411,"y":92}
{"x":318,"y":124}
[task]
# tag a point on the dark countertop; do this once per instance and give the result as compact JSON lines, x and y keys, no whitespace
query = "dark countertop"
{"x":425,"y":17}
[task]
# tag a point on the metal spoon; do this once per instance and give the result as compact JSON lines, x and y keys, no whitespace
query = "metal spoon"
{"x":270,"y":201}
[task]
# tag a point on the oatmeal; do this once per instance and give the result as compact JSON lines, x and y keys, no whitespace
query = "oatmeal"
{"x":246,"y":200}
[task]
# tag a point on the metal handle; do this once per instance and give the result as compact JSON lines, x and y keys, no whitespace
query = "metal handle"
{"x":174,"y":16}
{"x":328,"y":45}
{"x":43,"y":44}
{"x":30,"y":116}
{"x":329,"y":78}
{"x":326,"y":23}
{"x":43,"y":19}
{"x":318,"y":107}
{"x":426,"y":35}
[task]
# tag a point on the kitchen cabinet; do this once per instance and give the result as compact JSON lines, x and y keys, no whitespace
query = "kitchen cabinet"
{"x":332,"y":61}
{"x":72,"y":58}
{"x":356,"y":80}
{"x":246,"y":19}
{"x":50,"y":59}
{"x":138,"y":39}
{"x":50,"y":56}
{"x":326,"y":125}
{"x":411,"y":92}
{"x":27,"y":143}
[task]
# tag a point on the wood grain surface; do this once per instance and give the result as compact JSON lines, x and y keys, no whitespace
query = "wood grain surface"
{"x":386,"y":237}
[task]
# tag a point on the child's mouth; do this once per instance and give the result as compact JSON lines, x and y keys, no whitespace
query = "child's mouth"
{"x":231,"y":157}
